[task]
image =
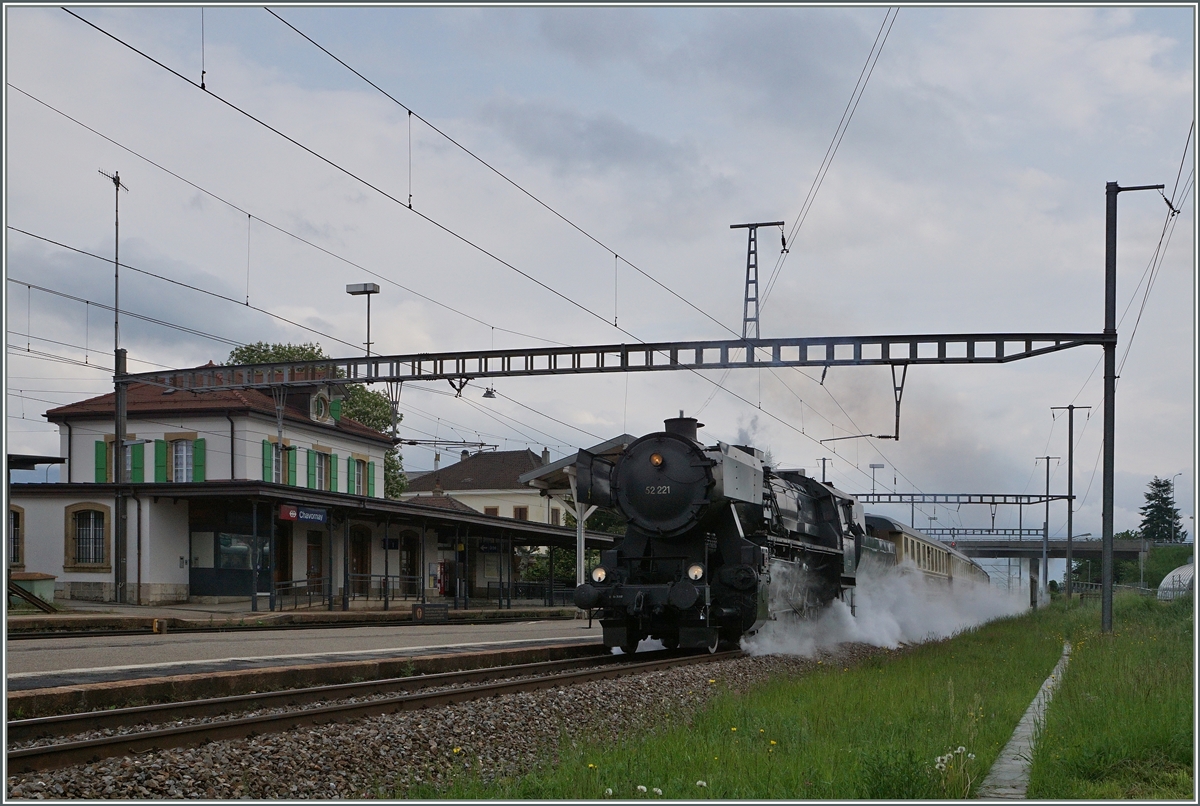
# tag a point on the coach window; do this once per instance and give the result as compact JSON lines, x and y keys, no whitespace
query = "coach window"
{"x":16,"y":537}
{"x":87,"y":540}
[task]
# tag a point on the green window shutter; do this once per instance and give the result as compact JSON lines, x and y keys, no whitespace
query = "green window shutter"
{"x":137,"y":463}
{"x":268,"y":462}
{"x":160,"y":460}
{"x":350,"y":474}
{"x":291,"y":474}
{"x":371,"y":479}
{"x":333,"y":472}
{"x":198,"y":452}
{"x":312,"y":469}
{"x":101,"y":461}
{"x":335,"y":410}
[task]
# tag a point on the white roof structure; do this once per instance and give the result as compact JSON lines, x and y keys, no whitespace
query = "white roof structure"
{"x":1177,"y":583}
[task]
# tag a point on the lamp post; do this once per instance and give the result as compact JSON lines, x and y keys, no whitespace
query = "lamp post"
{"x":874,"y":467}
{"x":364,"y":289}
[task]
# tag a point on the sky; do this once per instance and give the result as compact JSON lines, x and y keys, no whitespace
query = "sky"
{"x":965,"y":194}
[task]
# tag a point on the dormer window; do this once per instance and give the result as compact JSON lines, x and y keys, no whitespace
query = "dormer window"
{"x":319,"y":408}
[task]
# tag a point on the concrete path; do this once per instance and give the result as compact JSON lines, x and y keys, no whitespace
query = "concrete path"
{"x":1009,"y":776}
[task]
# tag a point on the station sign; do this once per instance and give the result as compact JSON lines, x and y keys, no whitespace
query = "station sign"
{"x":290,"y":512}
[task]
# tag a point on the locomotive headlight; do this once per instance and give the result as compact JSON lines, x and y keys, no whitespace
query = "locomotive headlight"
{"x":695,"y":572}
{"x":656,"y":459}
{"x":599,"y":574}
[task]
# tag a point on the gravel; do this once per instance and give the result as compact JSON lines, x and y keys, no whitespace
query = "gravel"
{"x":385,"y":756}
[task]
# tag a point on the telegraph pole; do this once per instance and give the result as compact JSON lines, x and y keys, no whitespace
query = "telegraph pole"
{"x":1070,"y":481}
{"x":1111,"y":190}
{"x":120,"y":517}
{"x":1046,"y":530}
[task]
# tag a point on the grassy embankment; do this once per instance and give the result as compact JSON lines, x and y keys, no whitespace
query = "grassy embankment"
{"x":872,"y":731}
{"x":1121,"y":724}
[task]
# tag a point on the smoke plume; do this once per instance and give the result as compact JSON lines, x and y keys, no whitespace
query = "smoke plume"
{"x":892,"y":606}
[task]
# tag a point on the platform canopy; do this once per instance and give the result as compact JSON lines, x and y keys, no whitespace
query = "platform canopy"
{"x":555,"y":479}
{"x":26,"y":461}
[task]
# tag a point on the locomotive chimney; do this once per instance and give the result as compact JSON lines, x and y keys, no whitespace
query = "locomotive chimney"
{"x":683,"y":426}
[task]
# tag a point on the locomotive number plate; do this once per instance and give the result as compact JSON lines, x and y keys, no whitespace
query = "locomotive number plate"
{"x":661,"y":489}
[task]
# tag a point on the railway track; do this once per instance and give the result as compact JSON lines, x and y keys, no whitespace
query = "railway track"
{"x":451,"y":687}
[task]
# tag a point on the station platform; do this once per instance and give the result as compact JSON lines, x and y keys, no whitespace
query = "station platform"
{"x":76,"y":615}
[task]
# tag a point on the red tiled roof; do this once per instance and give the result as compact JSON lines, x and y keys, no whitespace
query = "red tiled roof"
{"x":490,"y":470}
{"x":144,"y":400}
{"x":441,"y":502}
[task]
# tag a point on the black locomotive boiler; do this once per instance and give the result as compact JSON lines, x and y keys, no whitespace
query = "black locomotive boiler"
{"x":707,"y":529}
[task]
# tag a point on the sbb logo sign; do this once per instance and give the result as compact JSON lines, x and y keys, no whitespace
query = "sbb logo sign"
{"x":288,"y":512}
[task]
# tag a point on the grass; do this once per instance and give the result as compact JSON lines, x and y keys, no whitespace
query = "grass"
{"x":888,"y":728}
{"x":1121,"y":725}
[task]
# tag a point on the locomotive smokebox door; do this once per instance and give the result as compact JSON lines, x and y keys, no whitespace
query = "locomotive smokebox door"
{"x":662,"y":484}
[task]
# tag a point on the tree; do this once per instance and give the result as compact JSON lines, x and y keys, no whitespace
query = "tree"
{"x":1125,"y":572}
{"x":1160,"y":518}
{"x":372,"y":409}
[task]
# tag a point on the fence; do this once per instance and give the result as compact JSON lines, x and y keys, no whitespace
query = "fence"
{"x":362,"y":586}
{"x":1089,"y":589}
{"x":309,"y":589}
{"x":564,"y":592}
{"x":386,"y":589}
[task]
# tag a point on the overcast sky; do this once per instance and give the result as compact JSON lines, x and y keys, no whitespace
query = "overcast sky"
{"x":966,"y":195}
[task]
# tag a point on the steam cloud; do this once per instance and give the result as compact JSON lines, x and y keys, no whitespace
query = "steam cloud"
{"x":893,"y":606}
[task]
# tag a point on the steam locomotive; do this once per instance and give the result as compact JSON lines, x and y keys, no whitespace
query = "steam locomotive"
{"x":708,"y":529}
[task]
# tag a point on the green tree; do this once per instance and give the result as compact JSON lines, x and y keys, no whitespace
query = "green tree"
{"x":1125,"y":572}
{"x":1160,"y":518}
{"x":370,"y":408}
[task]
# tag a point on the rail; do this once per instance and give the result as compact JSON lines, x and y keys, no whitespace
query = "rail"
{"x":86,"y":751}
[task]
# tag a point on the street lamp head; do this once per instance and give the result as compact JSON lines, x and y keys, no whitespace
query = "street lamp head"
{"x":358,"y":289}
{"x":876,"y":466}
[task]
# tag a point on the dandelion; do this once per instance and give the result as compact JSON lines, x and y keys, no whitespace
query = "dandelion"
{"x":971,"y":756}
{"x":772,"y":741}
{"x":701,"y":783}
{"x":734,"y":730}
{"x":458,"y":750}
{"x":711,"y":680}
{"x":641,"y":788}
{"x":961,"y":750}
{"x":941,"y":766}
{"x":608,"y":793}
{"x":657,"y":791}
{"x":591,"y":766}
{"x":760,"y":730}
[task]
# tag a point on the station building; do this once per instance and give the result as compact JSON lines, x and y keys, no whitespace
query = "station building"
{"x":226,"y":493}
